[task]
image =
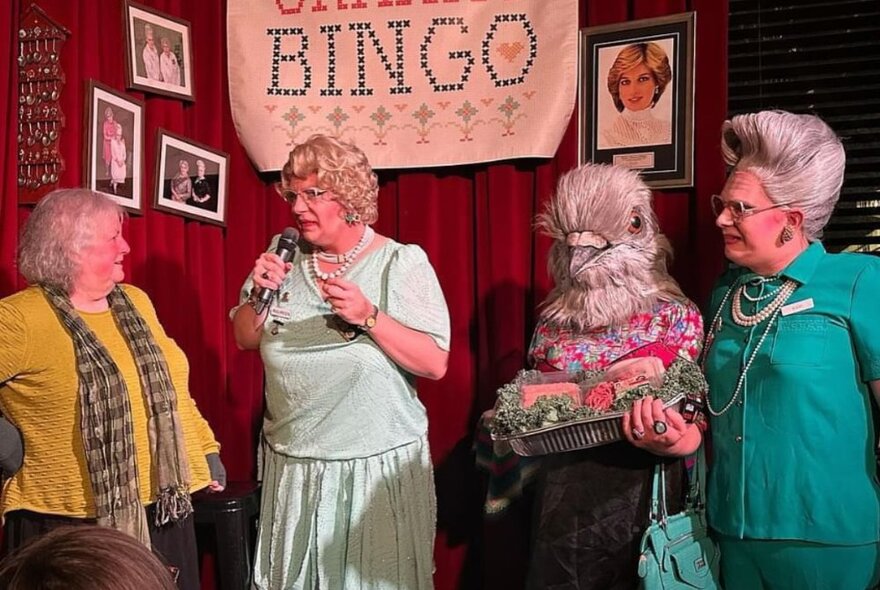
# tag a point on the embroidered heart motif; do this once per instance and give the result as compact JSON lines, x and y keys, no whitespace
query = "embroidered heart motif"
{"x":509,"y":51}
{"x":443,"y":104}
{"x":357,"y":109}
{"x":314,"y":109}
{"x":400,"y":107}
{"x":529,"y":94}
{"x":270,"y":107}
{"x":487,"y":101}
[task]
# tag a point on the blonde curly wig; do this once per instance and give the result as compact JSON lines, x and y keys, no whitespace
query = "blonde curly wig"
{"x":342,"y":168}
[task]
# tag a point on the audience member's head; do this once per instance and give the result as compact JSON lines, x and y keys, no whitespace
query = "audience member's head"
{"x":84,"y":558}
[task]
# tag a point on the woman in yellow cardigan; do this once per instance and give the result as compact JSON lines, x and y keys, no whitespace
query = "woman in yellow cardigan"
{"x":98,"y":391}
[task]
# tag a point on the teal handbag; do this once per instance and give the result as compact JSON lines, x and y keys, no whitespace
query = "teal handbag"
{"x":676,"y":552}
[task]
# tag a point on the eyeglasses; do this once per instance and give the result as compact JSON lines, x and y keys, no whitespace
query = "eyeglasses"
{"x":738,"y":210}
{"x":309,"y":194}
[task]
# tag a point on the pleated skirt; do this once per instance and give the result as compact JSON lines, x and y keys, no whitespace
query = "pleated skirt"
{"x":357,"y":524}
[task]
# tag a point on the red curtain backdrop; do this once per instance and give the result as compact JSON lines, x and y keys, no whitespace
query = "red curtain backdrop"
{"x":475,"y":222}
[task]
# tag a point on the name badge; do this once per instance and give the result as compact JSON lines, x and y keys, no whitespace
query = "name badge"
{"x":797,"y":306}
{"x":279,"y":313}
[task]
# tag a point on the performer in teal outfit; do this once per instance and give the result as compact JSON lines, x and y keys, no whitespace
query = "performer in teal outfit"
{"x":348,"y":493}
{"x":793,"y":358}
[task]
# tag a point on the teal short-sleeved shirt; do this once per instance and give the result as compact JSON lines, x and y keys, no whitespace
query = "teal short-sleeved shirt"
{"x":794,"y":455}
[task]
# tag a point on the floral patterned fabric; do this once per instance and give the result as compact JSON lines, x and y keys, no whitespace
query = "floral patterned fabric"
{"x":676,"y":324}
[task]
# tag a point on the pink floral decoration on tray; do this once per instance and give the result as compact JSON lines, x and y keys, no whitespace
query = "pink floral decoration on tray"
{"x":535,"y":399}
{"x":601,"y":396}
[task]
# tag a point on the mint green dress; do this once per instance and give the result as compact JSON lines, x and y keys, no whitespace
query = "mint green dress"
{"x":348,"y":492}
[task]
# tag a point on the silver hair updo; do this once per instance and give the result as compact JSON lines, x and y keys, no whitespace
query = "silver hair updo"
{"x":798,"y":159}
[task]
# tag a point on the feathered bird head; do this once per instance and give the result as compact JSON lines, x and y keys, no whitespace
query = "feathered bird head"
{"x":609,"y":259}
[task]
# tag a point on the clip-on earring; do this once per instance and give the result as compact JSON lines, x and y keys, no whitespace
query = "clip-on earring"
{"x":352,"y":217}
{"x":787,"y":234}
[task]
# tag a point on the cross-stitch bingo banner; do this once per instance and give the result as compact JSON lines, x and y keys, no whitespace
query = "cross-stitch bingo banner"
{"x":411,"y":82}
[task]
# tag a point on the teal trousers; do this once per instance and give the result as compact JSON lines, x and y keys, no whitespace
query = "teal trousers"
{"x":749,"y":564}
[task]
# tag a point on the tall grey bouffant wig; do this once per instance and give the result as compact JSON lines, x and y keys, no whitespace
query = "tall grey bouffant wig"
{"x":609,"y":259}
{"x":798,"y":159}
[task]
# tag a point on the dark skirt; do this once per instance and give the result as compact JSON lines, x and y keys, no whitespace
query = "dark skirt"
{"x":590,"y":512}
{"x":175,"y":544}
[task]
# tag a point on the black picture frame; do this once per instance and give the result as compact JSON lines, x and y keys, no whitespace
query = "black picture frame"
{"x":143,"y":23}
{"x":114,"y":166}
{"x":619,"y":63}
{"x":203,"y":200}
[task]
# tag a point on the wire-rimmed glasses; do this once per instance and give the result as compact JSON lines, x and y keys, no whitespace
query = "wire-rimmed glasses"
{"x":310,"y":195}
{"x":738,"y":210}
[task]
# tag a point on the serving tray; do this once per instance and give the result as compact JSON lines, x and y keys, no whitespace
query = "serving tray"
{"x":573,"y":435}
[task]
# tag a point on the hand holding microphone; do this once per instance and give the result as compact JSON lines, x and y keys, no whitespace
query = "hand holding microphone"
{"x":270,"y":268}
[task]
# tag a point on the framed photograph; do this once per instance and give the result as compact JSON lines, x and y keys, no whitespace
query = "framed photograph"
{"x":158,"y":56}
{"x":191,"y":179}
{"x":114,"y":145}
{"x":636,"y":92}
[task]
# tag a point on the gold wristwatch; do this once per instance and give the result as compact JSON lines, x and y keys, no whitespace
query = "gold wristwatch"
{"x":370,"y":322}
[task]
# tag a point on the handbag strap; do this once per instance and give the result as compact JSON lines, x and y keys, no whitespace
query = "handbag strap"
{"x":658,"y":495}
{"x":696,"y":490}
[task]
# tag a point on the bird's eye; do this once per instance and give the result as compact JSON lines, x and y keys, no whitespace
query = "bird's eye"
{"x":635,"y":223}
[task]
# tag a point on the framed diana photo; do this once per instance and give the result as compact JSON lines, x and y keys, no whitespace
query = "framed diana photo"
{"x":191,"y":179}
{"x":158,"y":54}
{"x":114,"y":145}
{"x":636,"y":93}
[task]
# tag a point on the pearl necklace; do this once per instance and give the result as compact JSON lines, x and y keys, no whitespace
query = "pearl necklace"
{"x":348,"y":257}
{"x":760,"y":282}
{"x":784,"y":293}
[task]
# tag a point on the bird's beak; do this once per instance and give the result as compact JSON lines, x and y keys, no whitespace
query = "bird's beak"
{"x":580,"y":258}
{"x":583,"y":247}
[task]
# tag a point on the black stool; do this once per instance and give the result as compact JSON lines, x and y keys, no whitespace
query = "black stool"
{"x":231,"y":513}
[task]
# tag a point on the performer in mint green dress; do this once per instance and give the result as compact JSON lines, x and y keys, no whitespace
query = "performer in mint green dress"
{"x":793,"y":362}
{"x":348,"y":492}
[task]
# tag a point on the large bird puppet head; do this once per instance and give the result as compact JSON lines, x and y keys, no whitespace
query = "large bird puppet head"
{"x":609,"y":259}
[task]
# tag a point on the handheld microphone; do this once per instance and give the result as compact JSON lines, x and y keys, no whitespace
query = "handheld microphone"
{"x":285,"y":249}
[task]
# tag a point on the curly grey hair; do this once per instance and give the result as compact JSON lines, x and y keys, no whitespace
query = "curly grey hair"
{"x":60,"y":226}
{"x":798,"y":159}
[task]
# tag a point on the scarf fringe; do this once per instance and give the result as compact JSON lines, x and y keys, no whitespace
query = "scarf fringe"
{"x":173,"y":505}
